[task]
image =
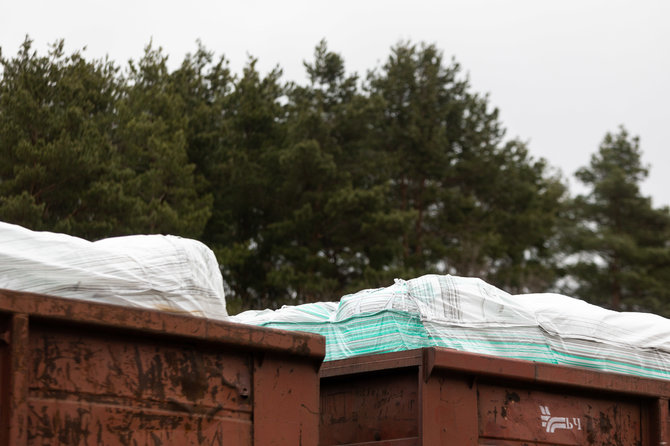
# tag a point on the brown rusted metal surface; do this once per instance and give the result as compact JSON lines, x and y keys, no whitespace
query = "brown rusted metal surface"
{"x":468,"y":399}
{"x":541,"y":373}
{"x":77,"y":373}
{"x":371,"y":408}
{"x":286,"y":402}
{"x":533,"y":416}
{"x":83,"y":386}
{"x":449,"y":411}
{"x":361,"y":364}
{"x":15,"y":408}
{"x":69,"y":311}
{"x":659,"y":422}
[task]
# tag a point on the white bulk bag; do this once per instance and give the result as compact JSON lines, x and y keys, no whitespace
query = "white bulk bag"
{"x":150,"y":271}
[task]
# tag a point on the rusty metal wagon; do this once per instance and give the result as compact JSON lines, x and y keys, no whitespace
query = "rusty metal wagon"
{"x":81,"y":373}
{"x":437,"y":396}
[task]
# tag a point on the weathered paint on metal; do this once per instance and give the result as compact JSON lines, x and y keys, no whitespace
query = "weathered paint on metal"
{"x":468,"y":399}
{"x":15,"y":409}
{"x":370,"y":408}
{"x":659,"y":422}
{"x":531,"y":415}
{"x":449,"y":411}
{"x":541,"y":373}
{"x":286,"y":402}
{"x":71,"y":311}
{"x":79,"y":373}
{"x":129,"y":389}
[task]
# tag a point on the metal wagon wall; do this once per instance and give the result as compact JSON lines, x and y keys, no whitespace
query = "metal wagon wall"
{"x":79,"y":373}
{"x":438,"y":396}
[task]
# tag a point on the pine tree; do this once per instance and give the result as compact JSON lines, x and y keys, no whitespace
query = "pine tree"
{"x":332,"y":229}
{"x":621,"y":241}
{"x":57,"y":161}
{"x":150,"y":137}
{"x":479,"y":206}
{"x":252,"y":128}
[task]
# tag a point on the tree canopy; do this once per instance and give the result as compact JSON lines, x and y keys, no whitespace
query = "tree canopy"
{"x":309,"y":191}
{"x":621,"y":242}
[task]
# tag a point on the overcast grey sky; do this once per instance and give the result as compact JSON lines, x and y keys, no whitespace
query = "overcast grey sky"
{"x":562,"y":73}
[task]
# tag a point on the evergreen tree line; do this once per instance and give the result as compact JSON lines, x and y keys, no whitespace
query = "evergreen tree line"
{"x":307,"y":192}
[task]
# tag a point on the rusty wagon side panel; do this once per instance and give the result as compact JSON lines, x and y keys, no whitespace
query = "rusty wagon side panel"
{"x":79,"y":373}
{"x":438,"y":396}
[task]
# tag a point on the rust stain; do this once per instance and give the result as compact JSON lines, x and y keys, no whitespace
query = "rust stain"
{"x":605,"y":424}
{"x":88,"y":374}
{"x":511,"y":397}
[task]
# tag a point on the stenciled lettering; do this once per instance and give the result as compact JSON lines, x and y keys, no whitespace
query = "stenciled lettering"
{"x":551,"y":424}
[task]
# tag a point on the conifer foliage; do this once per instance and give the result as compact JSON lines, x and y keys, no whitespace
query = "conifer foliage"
{"x":620,"y":241}
{"x":308,"y":191}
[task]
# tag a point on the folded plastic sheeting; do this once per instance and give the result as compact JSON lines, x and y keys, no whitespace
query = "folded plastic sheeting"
{"x":468,"y":314}
{"x":150,"y":271}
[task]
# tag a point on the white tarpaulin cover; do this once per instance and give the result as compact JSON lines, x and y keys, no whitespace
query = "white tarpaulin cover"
{"x":149,"y":271}
{"x":468,"y":314}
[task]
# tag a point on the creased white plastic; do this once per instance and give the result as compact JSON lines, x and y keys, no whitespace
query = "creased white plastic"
{"x":468,"y":314}
{"x":312,"y":312}
{"x":150,"y":271}
{"x":457,"y":300}
{"x":572,"y":318}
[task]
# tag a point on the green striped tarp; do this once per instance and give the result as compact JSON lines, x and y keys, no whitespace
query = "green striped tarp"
{"x":469,"y":315}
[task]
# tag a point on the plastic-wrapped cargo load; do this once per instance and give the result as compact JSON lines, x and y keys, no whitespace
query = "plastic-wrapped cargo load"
{"x":150,"y":271}
{"x":313,"y":312}
{"x":470,"y":315}
{"x":359,"y":334}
